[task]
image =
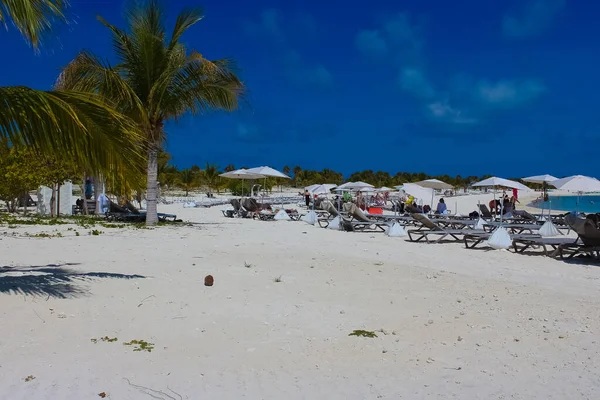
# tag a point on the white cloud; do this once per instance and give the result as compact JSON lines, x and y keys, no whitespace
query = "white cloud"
{"x":396,"y":36}
{"x":401,"y":31}
{"x":303,"y":74}
{"x":371,"y":43}
{"x":533,"y":19}
{"x":246,"y":131}
{"x":319,"y":76}
{"x":269,"y":24}
{"x":508,"y":93}
{"x":414,"y":81}
{"x":444,"y":112}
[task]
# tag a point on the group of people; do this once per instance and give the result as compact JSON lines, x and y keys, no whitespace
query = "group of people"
{"x":410,"y":205}
{"x":362,"y":200}
{"x":505,"y":205}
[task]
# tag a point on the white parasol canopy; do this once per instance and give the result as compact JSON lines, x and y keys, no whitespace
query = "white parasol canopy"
{"x":495,"y":181}
{"x":577,"y":183}
{"x":268,"y":171}
{"x":348,"y":186}
{"x":540,"y":179}
{"x":417,"y":191}
{"x":434,"y":184}
{"x":242,"y":174}
{"x":320,"y":189}
{"x":384,"y":189}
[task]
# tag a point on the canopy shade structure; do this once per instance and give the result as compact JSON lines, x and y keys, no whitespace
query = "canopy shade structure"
{"x":417,"y":191}
{"x":268,"y":171}
{"x":320,"y":189}
{"x":540,"y":179}
{"x":384,"y":189}
{"x":242,"y":174}
{"x":495,"y":181}
{"x":348,"y":186}
{"x":434,"y":184}
{"x":577,"y":183}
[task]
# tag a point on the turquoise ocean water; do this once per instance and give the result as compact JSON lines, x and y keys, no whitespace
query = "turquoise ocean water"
{"x":587,"y":204}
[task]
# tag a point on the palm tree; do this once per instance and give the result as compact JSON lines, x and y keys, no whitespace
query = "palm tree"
{"x":211,"y":174}
{"x":286,"y":169}
{"x":79,"y":126}
{"x":229,"y":168}
{"x":156,"y":79}
{"x":188,"y":180}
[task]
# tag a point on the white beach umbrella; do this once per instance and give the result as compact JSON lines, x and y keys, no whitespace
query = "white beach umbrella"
{"x":577,"y":183}
{"x":352,"y":186}
{"x":320,"y":188}
{"x":495,"y":181}
{"x":417,"y":191}
{"x":540,"y":179}
{"x":434,"y":184}
{"x":268,"y":171}
{"x":242,"y":174}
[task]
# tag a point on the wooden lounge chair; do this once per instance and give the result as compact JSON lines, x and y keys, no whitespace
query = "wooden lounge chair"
{"x":416,"y":235}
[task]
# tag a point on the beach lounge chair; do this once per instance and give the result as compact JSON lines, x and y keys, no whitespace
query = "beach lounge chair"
{"x":589,"y":238}
{"x":473,"y":239}
{"x":416,"y":235}
{"x":130,"y":213}
{"x":485,"y":212}
{"x":512,"y":227}
{"x":549,"y":246}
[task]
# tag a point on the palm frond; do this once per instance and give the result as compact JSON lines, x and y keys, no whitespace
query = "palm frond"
{"x":33,"y":18}
{"x":185,"y":20}
{"x":87,"y":73}
{"x":74,"y":124}
{"x":202,"y":85}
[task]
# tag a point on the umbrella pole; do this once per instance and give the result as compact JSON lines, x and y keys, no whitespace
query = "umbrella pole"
{"x":431,"y":210}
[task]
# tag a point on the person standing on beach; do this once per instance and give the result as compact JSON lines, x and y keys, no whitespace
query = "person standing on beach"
{"x":307,"y":198}
{"x":89,"y":189}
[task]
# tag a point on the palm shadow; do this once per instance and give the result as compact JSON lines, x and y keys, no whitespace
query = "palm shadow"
{"x":52,"y":280}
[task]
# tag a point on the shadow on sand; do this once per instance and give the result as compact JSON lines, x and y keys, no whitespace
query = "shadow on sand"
{"x":52,"y":280}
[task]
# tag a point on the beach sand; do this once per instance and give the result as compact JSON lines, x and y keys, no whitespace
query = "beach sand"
{"x":451,"y":323}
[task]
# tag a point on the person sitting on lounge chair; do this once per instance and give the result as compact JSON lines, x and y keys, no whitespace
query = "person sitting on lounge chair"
{"x":441,"y":208}
{"x":347,"y":197}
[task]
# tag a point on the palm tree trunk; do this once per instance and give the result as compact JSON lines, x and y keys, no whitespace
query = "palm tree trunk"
{"x":58,"y":201}
{"x":25,"y":199}
{"x":151,"y":187}
{"x":85,"y":207}
{"x":53,"y":202}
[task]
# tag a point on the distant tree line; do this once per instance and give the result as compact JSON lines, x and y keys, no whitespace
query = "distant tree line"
{"x":195,"y":177}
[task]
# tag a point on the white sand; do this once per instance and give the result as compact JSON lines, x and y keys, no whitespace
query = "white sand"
{"x":458,"y":323}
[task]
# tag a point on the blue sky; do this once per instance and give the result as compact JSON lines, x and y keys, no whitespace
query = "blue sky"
{"x":478,"y":86}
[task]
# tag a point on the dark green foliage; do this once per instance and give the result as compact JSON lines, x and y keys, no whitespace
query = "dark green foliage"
{"x":363,"y":333}
{"x":140,"y":345}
